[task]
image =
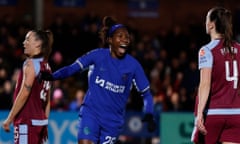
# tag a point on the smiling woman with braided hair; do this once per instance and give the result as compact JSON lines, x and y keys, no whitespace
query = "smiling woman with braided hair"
{"x":112,"y":73}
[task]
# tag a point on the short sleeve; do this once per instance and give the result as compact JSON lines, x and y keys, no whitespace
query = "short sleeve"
{"x":205,"y":58}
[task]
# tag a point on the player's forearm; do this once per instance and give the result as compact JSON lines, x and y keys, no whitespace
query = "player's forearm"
{"x":47,"y":110}
{"x":66,"y":71}
{"x":18,"y":105}
{"x":148,"y":102}
{"x":48,"y":107}
{"x":203,"y":97}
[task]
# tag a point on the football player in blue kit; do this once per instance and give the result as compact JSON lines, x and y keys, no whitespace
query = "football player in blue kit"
{"x":111,"y":76}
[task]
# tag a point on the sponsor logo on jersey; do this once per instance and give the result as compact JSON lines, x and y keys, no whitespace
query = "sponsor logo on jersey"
{"x":202,"y":52}
{"x":109,"y":85}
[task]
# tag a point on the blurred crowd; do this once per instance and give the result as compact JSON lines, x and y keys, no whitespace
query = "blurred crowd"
{"x":169,"y":58}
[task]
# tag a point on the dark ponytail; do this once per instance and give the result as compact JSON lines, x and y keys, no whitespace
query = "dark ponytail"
{"x":48,"y":50}
{"x":47,"y":41}
{"x":228,"y":31}
{"x":107,"y":23}
{"x":223,"y":21}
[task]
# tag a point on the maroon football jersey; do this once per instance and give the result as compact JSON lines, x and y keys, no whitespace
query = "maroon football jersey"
{"x":224,"y":92}
{"x":224,"y":98}
{"x":34,"y":108}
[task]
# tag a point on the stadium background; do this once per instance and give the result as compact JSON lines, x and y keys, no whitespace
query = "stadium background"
{"x":166,"y":38}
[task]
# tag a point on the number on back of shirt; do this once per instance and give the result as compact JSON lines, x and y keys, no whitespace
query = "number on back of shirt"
{"x":234,"y":77}
{"x":44,"y":91}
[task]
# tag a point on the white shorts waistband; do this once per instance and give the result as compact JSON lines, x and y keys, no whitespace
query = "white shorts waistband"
{"x":39,"y":122}
{"x":229,"y":111}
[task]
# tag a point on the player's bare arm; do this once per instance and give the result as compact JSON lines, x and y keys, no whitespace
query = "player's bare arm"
{"x":204,"y":89}
{"x":28,"y":79}
{"x":47,"y":110}
{"x":28,"y":87}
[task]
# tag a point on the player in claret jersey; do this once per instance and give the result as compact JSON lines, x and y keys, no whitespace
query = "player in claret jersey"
{"x":112,"y":73}
{"x":31,"y":107}
{"x":218,"y":96}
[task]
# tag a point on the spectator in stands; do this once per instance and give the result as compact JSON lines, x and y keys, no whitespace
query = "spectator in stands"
{"x":76,"y":103}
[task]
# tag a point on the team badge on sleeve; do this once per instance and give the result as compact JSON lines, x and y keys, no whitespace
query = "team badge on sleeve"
{"x":203,"y":57}
{"x":202,"y":52}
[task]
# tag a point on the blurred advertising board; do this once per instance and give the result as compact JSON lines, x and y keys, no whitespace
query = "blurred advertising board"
{"x":135,"y":128}
{"x":63,"y":127}
{"x":176,"y":128}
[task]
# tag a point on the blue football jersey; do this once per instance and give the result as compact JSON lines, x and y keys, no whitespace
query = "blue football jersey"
{"x":110,"y":83}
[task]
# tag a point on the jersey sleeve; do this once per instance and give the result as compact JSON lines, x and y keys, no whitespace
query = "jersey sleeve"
{"x":88,"y":59}
{"x":205,"y":58}
{"x":36,"y":64}
{"x":142,"y":85}
{"x":36,"y":67}
{"x":80,"y":64}
{"x":140,"y":80}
